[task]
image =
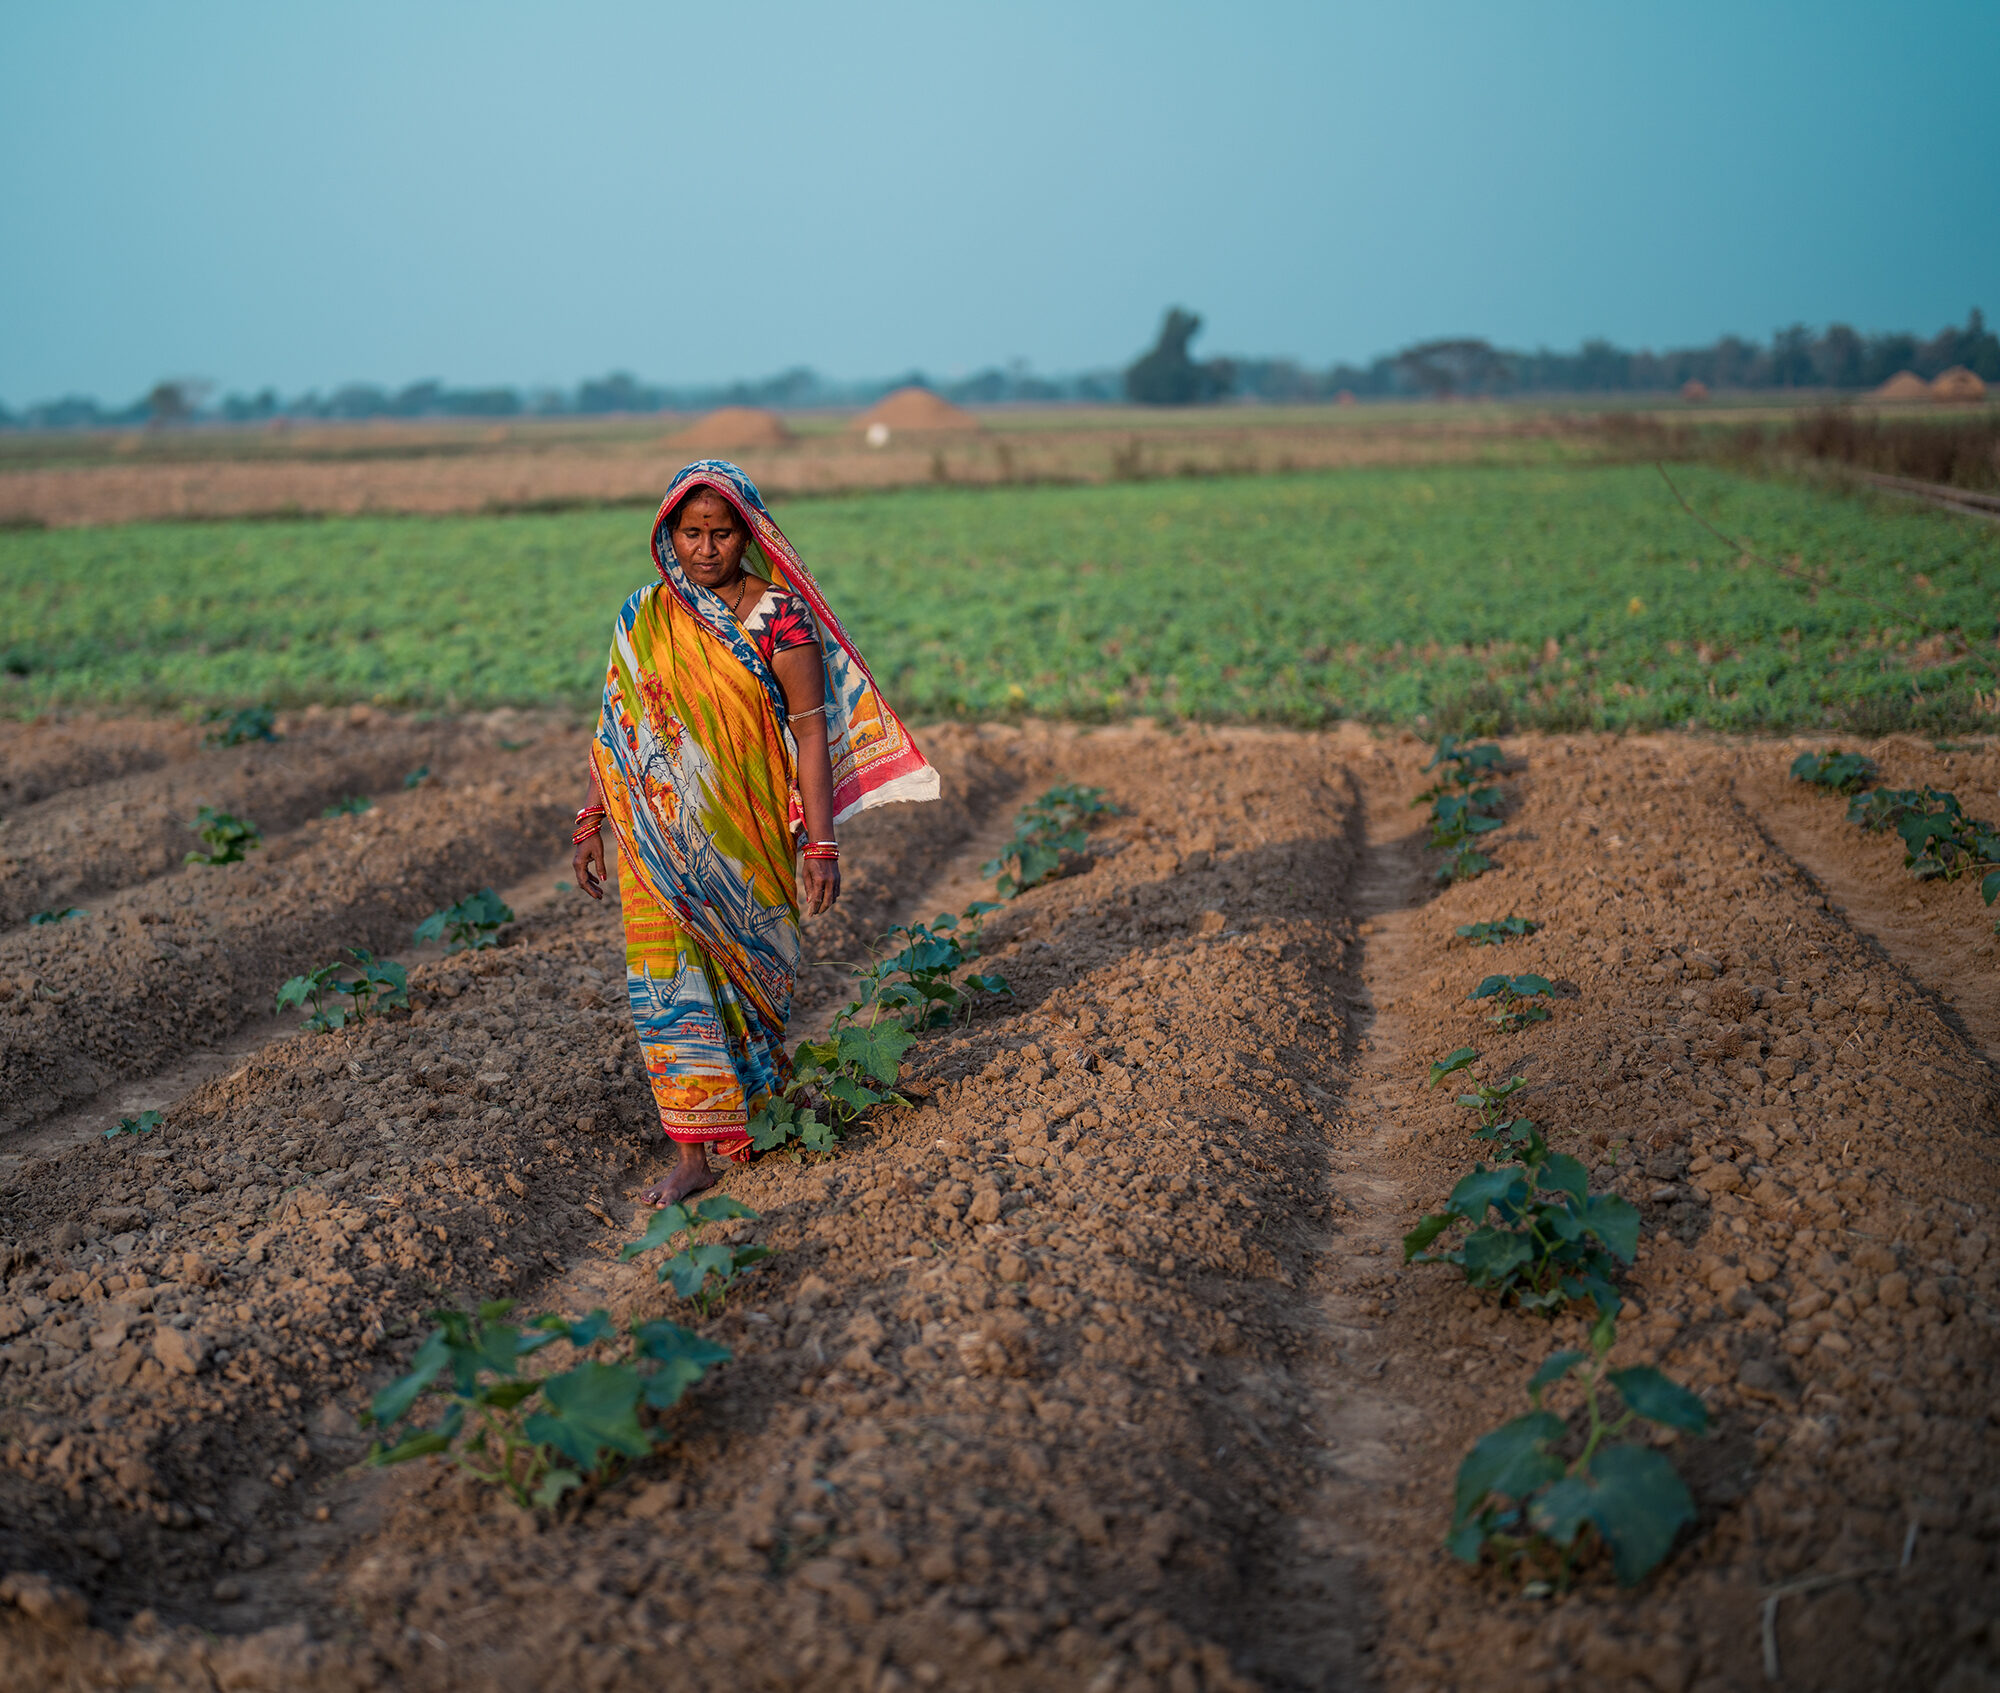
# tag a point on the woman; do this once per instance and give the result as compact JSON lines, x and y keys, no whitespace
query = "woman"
{"x":739,"y":727}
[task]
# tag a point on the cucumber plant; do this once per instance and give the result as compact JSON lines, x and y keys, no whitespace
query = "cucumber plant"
{"x":61,"y":914}
{"x":538,"y":1437}
{"x":238,"y":728}
{"x":143,"y":1124}
{"x":1939,"y":841}
{"x":371,"y":983}
{"x":1551,"y":1239}
{"x":702,"y":1272}
{"x":227,"y":838}
{"x":1462,"y":806}
{"x":470,"y":925}
{"x":351,"y":806}
{"x":1843,"y":772}
{"x":1539,"y":1491}
{"x":1487,"y":1098}
{"x":912,"y":975}
{"x":1451,"y":1064}
{"x":1497,"y":932}
{"x":1520,"y":1000}
{"x":1043,"y":832}
{"x":910,"y":984}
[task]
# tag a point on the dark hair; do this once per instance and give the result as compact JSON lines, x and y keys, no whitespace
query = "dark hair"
{"x":695,"y":493}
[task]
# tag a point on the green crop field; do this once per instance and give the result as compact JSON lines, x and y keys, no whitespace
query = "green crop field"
{"x":1471,"y":598}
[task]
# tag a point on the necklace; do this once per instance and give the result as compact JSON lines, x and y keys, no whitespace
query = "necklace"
{"x":735,"y":600}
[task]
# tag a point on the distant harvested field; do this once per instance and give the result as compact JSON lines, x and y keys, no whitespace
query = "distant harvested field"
{"x":1462,"y":597}
{"x":63,"y":481}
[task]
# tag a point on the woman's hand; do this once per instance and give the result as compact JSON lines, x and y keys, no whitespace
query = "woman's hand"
{"x":819,"y":885}
{"x":588,"y":864}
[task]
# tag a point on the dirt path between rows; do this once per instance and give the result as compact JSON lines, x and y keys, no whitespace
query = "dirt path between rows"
{"x":1320,"y":1618}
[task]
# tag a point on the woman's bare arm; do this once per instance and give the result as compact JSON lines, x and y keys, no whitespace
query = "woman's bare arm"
{"x":587,"y":861}
{"x":800,"y":673}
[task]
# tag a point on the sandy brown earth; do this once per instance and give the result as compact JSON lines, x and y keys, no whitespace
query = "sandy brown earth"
{"x":1096,"y":1366}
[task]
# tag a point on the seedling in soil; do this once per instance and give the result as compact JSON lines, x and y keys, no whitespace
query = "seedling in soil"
{"x":696,"y":1266}
{"x":1552,"y":1240}
{"x":1843,"y":772}
{"x":352,"y":806}
{"x":1462,"y":766}
{"x":41,"y":918}
{"x":1488,"y":1098}
{"x":1044,"y":831}
{"x":227,"y":838}
{"x":782,"y":1123}
{"x":1945,"y":844}
{"x":1461,"y":808}
{"x":1519,"y":998}
{"x":143,"y":1124}
{"x":237,"y":728}
{"x":908,"y":986}
{"x":1498,"y":932}
{"x":1885,"y":808}
{"x":912,"y":973}
{"x":417,"y":777}
{"x":1451,"y":1064}
{"x":373,"y":984}
{"x":473,"y":923}
{"x":1939,"y":840}
{"x":1520,"y":1497}
{"x":538,"y":1437}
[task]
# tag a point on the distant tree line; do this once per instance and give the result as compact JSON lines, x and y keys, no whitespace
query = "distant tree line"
{"x":177,"y":402}
{"x":1838,"y":358}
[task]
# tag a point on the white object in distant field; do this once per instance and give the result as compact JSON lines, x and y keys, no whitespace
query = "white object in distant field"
{"x":878,"y":435}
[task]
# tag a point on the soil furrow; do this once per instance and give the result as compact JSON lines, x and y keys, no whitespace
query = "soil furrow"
{"x":188,"y":958}
{"x":1939,"y":932}
{"x":1318,"y":1612}
{"x":85,"y":842}
{"x":50,"y":755}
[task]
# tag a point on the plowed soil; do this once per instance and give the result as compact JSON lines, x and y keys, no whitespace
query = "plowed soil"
{"x":1096,"y":1365}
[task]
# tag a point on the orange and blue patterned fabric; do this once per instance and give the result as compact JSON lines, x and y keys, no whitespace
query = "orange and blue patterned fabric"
{"x":697,"y":763}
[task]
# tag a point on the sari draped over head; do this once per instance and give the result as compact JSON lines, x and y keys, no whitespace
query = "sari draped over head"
{"x":698,"y":767}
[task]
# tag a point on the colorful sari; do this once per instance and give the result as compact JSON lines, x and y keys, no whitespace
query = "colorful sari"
{"x":698,"y":767}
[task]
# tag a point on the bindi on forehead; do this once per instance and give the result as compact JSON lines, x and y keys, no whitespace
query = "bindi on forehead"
{"x":711,"y":509}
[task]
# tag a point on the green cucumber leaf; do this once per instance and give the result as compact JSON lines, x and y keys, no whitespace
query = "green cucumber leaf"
{"x":1660,"y":1400}
{"x":1512,"y":1461}
{"x":1639,"y":1504}
{"x":1553,"y":1369}
{"x":591,"y":1410}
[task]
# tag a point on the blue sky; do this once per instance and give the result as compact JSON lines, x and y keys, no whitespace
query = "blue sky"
{"x":302,"y":195}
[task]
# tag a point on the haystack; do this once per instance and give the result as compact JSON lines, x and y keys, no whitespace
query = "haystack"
{"x":731,"y":429}
{"x":914,"y":411}
{"x":1957,"y":383}
{"x":1694,"y":390}
{"x":1904,"y":385}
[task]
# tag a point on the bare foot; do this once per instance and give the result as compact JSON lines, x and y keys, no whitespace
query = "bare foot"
{"x":689,"y":1176}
